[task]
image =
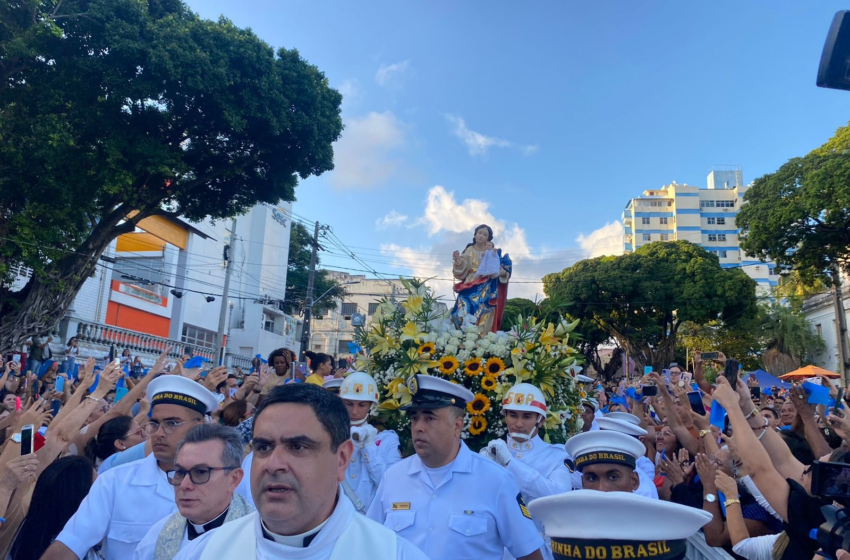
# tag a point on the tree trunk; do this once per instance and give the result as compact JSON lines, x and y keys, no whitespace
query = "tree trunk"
{"x":48,"y":296}
{"x":777,"y":363}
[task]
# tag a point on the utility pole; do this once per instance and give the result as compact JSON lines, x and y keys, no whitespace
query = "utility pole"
{"x":841,"y":329}
{"x":308,"y":304}
{"x":222,"y":316}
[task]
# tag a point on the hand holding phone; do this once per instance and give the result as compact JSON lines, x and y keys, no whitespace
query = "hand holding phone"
{"x":60,"y":384}
{"x":695,"y":400}
{"x":27,"y":441}
{"x":706,"y":356}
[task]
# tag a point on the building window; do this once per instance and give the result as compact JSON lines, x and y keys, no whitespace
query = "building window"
{"x":706,"y":204}
{"x":198,"y":336}
{"x":819,"y":330}
{"x":721,"y":254}
{"x":665,"y":237}
{"x":318,"y":348}
{"x":320,"y":313}
{"x":720,"y":221}
{"x":712,"y":237}
{"x":343,"y":347}
{"x":349,"y":309}
{"x":725,"y":203}
{"x":644,"y":221}
{"x":721,"y":237}
{"x":270,"y":325}
{"x":647,"y":237}
{"x":373,"y":307}
{"x":711,"y":221}
{"x":662,"y":221}
{"x":774,"y":270}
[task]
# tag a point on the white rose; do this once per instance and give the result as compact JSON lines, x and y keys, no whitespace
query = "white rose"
{"x":480,"y":352}
{"x":463,"y":355}
{"x":485,"y":344}
{"x":454,"y":341}
{"x":469,"y":344}
{"x":451,"y":349}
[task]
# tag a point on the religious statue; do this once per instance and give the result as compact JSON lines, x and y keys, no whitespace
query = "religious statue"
{"x":482,"y":275}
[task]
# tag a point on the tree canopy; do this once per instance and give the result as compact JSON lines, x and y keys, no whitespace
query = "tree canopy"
{"x":300,"y":252}
{"x":799,"y":216}
{"x":642,"y":298}
{"x":115,"y":110}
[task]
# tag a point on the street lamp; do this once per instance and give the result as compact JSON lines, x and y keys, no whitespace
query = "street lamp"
{"x":308,"y":315}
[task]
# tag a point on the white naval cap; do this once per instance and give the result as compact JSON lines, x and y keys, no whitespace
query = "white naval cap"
{"x":174,"y":389}
{"x":429,"y":392}
{"x":622,"y":426}
{"x":333,"y":385}
{"x":599,"y":446}
{"x":591,"y":402}
{"x":593,"y":524}
{"x":625,"y":416}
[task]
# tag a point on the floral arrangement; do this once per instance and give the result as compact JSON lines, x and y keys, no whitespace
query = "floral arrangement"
{"x":416,"y":336}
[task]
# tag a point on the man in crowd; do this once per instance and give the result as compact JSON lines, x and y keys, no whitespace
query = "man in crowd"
{"x":772,"y":418}
{"x":281,"y":362}
{"x":301,"y":450}
{"x":374,"y":452}
{"x":606,"y":460}
{"x":206,"y":473}
{"x":39,"y":352}
{"x":588,"y":524}
{"x":126,"y":501}
{"x":589,"y":407}
{"x":628,"y":424}
{"x":447,"y":500}
{"x":787,"y":413}
{"x":222,"y":390}
{"x":540,"y":469}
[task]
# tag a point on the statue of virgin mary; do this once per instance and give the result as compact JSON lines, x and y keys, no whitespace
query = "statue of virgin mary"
{"x":480,"y":298}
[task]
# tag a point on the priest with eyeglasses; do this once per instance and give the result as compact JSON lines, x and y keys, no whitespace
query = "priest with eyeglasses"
{"x":206,"y":472}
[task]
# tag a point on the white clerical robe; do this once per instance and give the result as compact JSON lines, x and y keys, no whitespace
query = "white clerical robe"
{"x":188,"y":549}
{"x":345,"y":536}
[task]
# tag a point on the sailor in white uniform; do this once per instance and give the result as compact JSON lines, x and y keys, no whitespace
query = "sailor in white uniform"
{"x":589,"y":408}
{"x":447,"y":500}
{"x":540,"y":468}
{"x":606,"y":460}
{"x":301,"y":451}
{"x":647,"y":485}
{"x":125,"y":502}
{"x":643,"y":462}
{"x":374,"y":452}
{"x":590,"y":524}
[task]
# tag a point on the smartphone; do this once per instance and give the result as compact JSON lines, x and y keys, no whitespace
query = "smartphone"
{"x":116,"y":361}
{"x":16,"y":358}
{"x":60,"y":384}
{"x":755,"y":392}
{"x":831,"y":480}
{"x":119,"y":383}
{"x":18,"y":403}
{"x":696,"y":402}
{"x":731,"y":372}
{"x":27,"y":441}
{"x":838,"y":399}
{"x":649,"y":390}
{"x":709,"y":356}
{"x":55,"y":405}
{"x":647,"y":370}
{"x":120,"y":393}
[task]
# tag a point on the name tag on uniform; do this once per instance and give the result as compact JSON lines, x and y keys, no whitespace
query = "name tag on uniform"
{"x":400,"y":505}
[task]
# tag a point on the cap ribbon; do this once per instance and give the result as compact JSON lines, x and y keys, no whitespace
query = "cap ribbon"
{"x":170,"y":397}
{"x":616,"y":457}
{"x":607,"y":549}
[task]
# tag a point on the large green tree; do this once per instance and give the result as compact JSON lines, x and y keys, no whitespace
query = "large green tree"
{"x":641,"y":299}
{"x":115,"y":110}
{"x":298,"y":273}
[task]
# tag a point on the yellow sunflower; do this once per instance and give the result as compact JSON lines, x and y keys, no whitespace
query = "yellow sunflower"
{"x":477,"y":425}
{"x":479,"y":405}
{"x":472,"y":367}
{"x":427,"y":348}
{"x":448,"y":365}
{"x":488,"y":383}
{"x":494,"y":366}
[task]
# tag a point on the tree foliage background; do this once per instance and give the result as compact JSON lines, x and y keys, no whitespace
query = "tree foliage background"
{"x":642,"y":299}
{"x":115,"y":110}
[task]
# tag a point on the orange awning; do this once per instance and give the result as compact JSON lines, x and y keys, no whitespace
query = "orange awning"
{"x":810,"y":371}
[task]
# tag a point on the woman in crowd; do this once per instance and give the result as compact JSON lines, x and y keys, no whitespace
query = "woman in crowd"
{"x":72,"y":350}
{"x":321,"y":365}
{"x":237,"y":412}
{"x":126,"y":359}
{"x":58,"y":493}
{"x":114,"y":436}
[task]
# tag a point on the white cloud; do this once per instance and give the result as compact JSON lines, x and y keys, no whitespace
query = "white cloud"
{"x":351,"y":92}
{"x":450,"y":224}
{"x":386,"y":74}
{"x":393,"y":219}
{"x":478,"y":144}
{"x":607,"y":240}
{"x":363,"y":157}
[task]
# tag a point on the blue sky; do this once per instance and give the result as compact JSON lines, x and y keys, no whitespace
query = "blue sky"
{"x":541,"y":118}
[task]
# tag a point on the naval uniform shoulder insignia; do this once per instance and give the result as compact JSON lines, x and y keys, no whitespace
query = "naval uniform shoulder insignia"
{"x":570,"y":465}
{"x":522,"y":506}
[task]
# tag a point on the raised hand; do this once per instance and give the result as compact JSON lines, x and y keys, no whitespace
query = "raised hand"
{"x":18,"y":471}
{"x":215,"y":376}
{"x":707,"y":472}
{"x":725,"y":394}
{"x":726,"y":484}
{"x":159,"y":365}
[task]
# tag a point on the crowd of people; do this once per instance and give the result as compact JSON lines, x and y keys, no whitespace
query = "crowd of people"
{"x":203,"y":463}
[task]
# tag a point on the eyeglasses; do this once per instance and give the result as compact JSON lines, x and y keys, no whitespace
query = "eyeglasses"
{"x":168,"y":426}
{"x":198,"y":475}
{"x":140,"y":431}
